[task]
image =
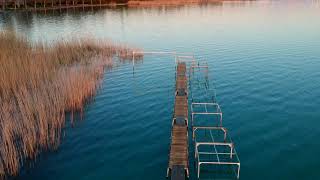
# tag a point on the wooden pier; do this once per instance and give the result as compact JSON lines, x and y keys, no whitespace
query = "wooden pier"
{"x":212,"y":143}
{"x":178,"y":158}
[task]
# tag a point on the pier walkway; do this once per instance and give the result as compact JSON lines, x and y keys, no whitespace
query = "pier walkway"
{"x":178,"y":157}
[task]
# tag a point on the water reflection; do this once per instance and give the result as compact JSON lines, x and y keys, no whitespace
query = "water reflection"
{"x":27,"y":22}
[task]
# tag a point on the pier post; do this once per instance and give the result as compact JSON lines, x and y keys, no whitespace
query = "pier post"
{"x":133,"y":60}
{"x":198,"y":170}
{"x":35,"y":4}
{"x":238,"y":174}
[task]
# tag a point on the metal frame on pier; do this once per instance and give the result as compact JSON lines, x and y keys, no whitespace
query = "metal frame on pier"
{"x":231,"y":161}
{"x":226,"y":155}
{"x":214,"y":112}
{"x":197,"y":128}
{"x":203,"y":103}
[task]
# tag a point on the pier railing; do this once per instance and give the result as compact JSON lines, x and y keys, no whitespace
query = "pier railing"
{"x":204,"y":110}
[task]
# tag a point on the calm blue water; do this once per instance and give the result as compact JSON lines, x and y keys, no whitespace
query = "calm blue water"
{"x":264,"y":58}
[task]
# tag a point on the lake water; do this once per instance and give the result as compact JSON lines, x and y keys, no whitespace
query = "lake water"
{"x":264,"y":58}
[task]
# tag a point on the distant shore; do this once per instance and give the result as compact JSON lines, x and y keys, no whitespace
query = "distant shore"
{"x":155,"y":3}
{"x":39,"y":5}
{"x":139,"y":3}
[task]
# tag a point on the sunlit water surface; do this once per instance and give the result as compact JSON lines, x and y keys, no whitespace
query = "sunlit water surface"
{"x":264,"y":58}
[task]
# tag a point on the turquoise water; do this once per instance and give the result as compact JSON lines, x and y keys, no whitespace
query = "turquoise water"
{"x":264,"y":58}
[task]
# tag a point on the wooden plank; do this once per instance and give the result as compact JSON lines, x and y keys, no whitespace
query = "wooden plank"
{"x":178,"y":172}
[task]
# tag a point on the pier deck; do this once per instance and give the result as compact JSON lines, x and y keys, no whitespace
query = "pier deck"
{"x":178,"y":157}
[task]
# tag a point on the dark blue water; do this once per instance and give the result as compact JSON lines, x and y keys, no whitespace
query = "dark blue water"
{"x":264,"y":59}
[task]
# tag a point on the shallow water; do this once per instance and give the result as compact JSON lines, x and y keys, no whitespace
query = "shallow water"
{"x":264,"y":59}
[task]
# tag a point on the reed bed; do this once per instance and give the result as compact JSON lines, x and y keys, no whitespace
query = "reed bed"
{"x":39,"y":83}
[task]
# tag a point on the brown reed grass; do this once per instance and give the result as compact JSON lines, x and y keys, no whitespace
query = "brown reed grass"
{"x":38,"y":84}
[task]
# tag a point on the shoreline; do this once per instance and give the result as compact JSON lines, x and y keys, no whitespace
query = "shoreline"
{"x":159,"y":3}
{"x":76,"y":4}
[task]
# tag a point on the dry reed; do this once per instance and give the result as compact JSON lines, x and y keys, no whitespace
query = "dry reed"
{"x":38,"y":84}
